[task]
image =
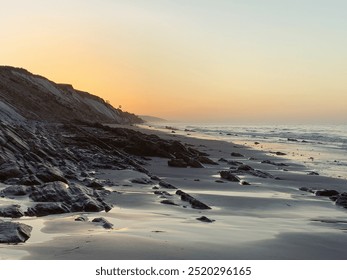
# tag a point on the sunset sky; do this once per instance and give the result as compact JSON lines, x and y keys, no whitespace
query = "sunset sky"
{"x":195,"y":60}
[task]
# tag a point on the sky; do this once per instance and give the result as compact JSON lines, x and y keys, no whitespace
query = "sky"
{"x":240,"y":61}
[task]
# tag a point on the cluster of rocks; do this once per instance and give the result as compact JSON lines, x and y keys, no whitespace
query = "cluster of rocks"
{"x":340,"y":199}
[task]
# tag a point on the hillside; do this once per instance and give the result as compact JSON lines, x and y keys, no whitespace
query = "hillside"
{"x":24,"y":95}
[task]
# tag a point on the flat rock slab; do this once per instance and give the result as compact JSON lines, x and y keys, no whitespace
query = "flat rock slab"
{"x":14,"y":232}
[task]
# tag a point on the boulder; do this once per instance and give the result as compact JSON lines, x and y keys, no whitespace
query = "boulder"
{"x":45,"y":209}
{"x":14,"y":232}
{"x":15,"y":191}
{"x":233,"y":154}
{"x":205,"y":219}
{"x":195,"y":163}
{"x":342,"y":200}
{"x":228,"y":175}
{"x":11,"y":211}
{"x":177,"y":162}
{"x":103,"y":222}
{"x":326,"y":193}
{"x":192,"y":201}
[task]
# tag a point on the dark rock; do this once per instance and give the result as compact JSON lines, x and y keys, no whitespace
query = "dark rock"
{"x":233,"y":154}
{"x":205,"y":219}
{"x":342,"y":200}
{"x":206,"y":160}
{"x":74,"y":197}
{"x":292,"y":139}
{"x":15,"y":191}
{"x":256,"y":143}
{"x":274,"y":163}
{"x":244,"y":183}
{"x":312,"y":173}
{"x":14,"y":232}
{"x":165,"y":193}
{"x":47,"y":176}
{"x":245,"y":167}
{"x":12,"y":211}
{"x":228,"y":175}
{"x":306,"y":189}
{"x":280,"y":153}
{"x":166,"y":185}
{"x":102,"y":221}
{"x":235,"y":163}
{"x":95,"y":185}
{"x":326,"y":193}
{"x":8,"y":171}
{"x":193,"y":201}
{"x":223,"y":160}
{"x":195,"y":163}
{"x":45,"y":209}
{"x":143,"y":181}
{"x":219,"y":181}
{"x":177,"y":162}
{"x":196,"y":180}
{"x":155,"y":178}
{"x":81,"y":219}
{"x":168,"y":202}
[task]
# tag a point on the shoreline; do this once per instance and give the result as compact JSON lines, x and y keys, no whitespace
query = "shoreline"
{"x":268,"y":219}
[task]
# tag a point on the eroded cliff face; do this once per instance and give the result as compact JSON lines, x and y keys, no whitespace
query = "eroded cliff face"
{"x":27,"y":96}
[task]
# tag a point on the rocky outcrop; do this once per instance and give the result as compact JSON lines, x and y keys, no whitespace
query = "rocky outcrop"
{"x":192,"y":201}
{"x":14,"y":232}
{"x":228,"y":175}
{"x":11,"y":211}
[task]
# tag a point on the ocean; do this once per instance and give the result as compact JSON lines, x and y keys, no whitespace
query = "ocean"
{"x":322,"y":148}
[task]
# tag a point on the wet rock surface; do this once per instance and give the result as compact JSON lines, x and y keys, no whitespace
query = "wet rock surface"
{"x":14,"y":232}
{"x":192,"y":201}
{"x":103,"y":222}
{"x":205,"y":219}
{"x":11,"y":211}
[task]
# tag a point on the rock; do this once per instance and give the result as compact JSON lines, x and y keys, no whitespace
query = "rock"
{"x":280,"y":154}
{"x":95,"y":185}
{"x":81,"y":219}
{"x":45,"y":209}
{"x":195,"y":163}
{"x":166,"y":185}
{"x":342,"y":200}
{"x":244,"y":183}
{"x":74,"y":197}
{"x":312,"y":173}
{"x":233,"y":154}
{"x":274,"y":163}
{"x":245,"y":167}
{"x":223,"y":160}
{"x":205,"y":219}
{"x":47,"y":176}
{"x":102,"y":221}
{"x":256,"y":143}
{"x":143,"y":181}
{"x":177,"y":162}
{"x":292,"y":139}
{"x":155,"y":178}
{"x":326,"y":193}
{"x":15,"y":191}
{"x":193,"y":201}
{"x":228,"y":175}
{"x":235,"y":163}
{"x":168,"y":202}
{"x":162,"y":193}
{"x":206,"y":160}
{"x":14,"y":232}
{"x":306,"y":189}
{"x":12,"y":211}
{"x":9,"y":170}
{"x":196,"y":180}
{"x":219,"y":181}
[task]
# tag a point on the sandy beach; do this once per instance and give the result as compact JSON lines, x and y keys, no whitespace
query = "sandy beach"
{"x":278,"y":217}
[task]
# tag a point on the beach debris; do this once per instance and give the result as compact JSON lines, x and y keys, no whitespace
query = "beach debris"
{"x":205,"y":219}
{"x":228,"y":175}
{"x":234,"y":154}
{"x":11,"y":211}
{"x":192,"y":201}
{"x":14,"y":232}
{"x":103,"y":222}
